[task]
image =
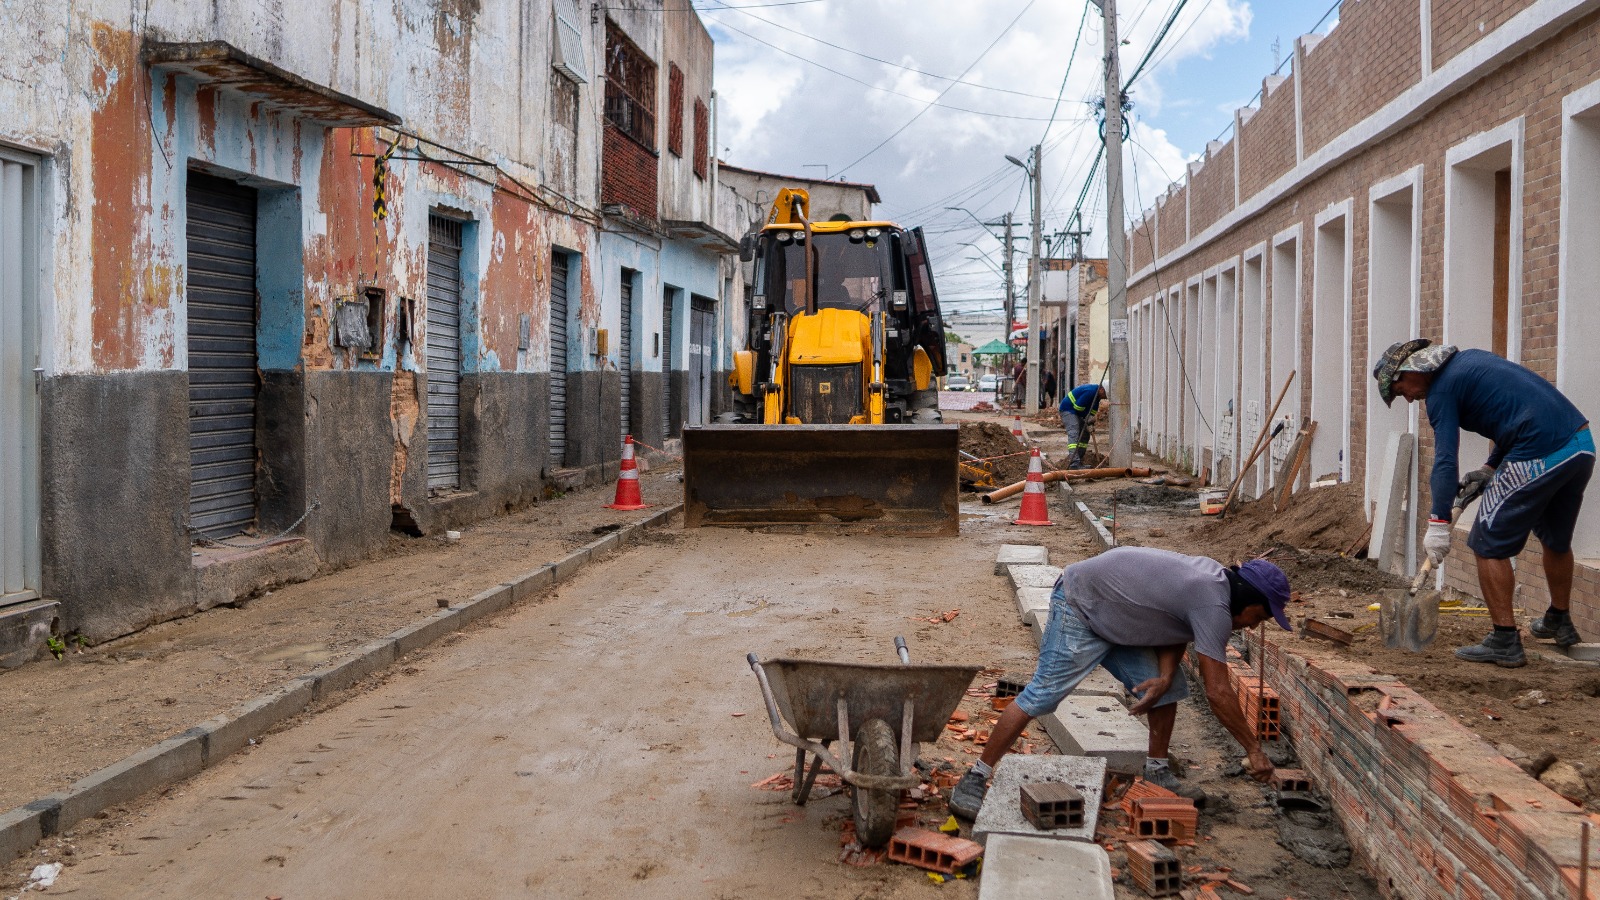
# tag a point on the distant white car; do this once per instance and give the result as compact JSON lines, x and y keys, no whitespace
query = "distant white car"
{"x":957,"y":383}
{"x":990,"y":383}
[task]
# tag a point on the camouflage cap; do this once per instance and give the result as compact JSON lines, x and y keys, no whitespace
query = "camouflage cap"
{"x":1388,"y":365}
{"x":1428,"y":359}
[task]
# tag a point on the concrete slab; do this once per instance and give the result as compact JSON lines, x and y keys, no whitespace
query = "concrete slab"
{"x":1393,"y":485}
{"x":1031,"y":868}
{"x":1034,"y":576}
{"x":1036,"y":620}
{"x":1002,"y":807}
{"x":1020,"y":555}
{"x":1585,"y":652}
{"x":1099,"y":727}
{"x":1032,"y":598}
{"x":1101,"y":683}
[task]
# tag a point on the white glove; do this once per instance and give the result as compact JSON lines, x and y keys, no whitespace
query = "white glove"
{"x":1437,"y":541}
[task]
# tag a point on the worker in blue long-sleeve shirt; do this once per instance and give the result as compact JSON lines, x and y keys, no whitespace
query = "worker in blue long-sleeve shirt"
{"x":1533,"y":480}
{"x":1077,"y":409}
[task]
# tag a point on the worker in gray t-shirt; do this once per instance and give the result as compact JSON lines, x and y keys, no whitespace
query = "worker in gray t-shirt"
{"x":1134,"y":611}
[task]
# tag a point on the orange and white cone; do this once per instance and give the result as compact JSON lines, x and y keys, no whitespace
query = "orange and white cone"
{"x":628,"y":481}
{"x":1016,"y":428}
{"x":1034,"y":509}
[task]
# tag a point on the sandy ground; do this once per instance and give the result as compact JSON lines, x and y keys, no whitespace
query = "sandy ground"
{"x":600,"y":741}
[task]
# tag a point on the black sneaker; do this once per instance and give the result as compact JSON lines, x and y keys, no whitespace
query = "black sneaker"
{"x":1564,"y":633}
{"x":966,"y":798}
{"x":1504,"y":651}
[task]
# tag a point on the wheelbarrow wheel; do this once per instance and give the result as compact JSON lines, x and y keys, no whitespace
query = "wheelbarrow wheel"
{"x":876,"y":753}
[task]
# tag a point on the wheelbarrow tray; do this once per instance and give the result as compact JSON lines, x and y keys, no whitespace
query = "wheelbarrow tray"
{"x":807,"y":693}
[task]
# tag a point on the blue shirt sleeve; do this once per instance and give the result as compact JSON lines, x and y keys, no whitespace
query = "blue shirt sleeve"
{"x":1442,"y":483}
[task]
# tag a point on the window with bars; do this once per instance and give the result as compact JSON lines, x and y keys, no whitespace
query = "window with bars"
{"x":674,"y":109}
{"x":630,"y":88}
{"x":702,"y":138}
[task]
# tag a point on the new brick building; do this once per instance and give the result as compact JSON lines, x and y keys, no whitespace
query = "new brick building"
{"x":1427,"y":168}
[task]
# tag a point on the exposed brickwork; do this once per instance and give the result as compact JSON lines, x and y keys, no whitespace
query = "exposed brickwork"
{"x":1373,"y":56}
{"x":1173,"y":231}
{"x":1530,"y":86}
{"x":1429,"y":806}
{"x":1458,"y":24}
{"x":1266,"y":142}
{"x":628,"y":173}
{"x":1211,"y":190}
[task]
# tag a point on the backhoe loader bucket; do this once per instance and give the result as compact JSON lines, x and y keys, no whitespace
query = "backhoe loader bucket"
{"x":885,"y":478}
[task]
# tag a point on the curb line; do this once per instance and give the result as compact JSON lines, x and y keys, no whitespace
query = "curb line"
{"x":202,"y":746}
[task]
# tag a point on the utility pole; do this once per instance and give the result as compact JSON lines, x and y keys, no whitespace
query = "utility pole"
{"x":1034,"y":281}
{"x":1116,"y":259}
{"x":1011,"y":282}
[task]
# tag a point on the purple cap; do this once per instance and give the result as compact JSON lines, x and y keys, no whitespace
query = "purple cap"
{"x":1267,"y":578}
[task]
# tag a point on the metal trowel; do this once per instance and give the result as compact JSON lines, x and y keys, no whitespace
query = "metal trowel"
{"x":1407,"y":620}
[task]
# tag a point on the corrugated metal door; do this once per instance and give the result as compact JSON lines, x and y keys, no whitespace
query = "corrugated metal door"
{"x":223,"y":381}
{"x":19,"y":404}
{"x":702,"y":334}
{"x":558,"y":358}
{"x":444,"y":353}
{"x":625,"y":351}
{"x":666,"y":363}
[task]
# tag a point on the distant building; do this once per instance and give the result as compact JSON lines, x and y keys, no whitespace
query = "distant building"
{"x":829,"y":199}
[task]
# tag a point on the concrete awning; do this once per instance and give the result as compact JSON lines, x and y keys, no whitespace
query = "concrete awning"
{"x":223,"y":65}
{"x":701,"y":233}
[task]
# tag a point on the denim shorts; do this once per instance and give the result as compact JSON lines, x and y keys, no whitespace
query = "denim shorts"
{"x":1070,"y":651}
{"x":1541,"y":496}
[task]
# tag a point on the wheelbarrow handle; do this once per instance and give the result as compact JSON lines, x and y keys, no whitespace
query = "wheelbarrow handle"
{"x":753,"y":660}
{"x":900,"y":648}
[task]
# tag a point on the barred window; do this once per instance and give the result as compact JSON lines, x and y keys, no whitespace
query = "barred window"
{"x":630,"y":88}
{"x":674,"y":109}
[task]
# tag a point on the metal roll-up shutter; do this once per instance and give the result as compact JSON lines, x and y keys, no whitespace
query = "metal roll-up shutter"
{"x":444,"y":353}
{"x":558,"y":359}
{"x":666,"y":363}
{"x":223,"y":381}
{"x":625,"y":351}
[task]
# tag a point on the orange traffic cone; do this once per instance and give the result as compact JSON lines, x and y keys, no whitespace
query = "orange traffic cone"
{"x":1016,"y":428}
{"x":628,"y":481}
{"x":1034,"y":510}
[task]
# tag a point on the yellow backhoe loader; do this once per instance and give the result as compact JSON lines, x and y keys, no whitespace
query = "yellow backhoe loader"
{"x":835,"y":419}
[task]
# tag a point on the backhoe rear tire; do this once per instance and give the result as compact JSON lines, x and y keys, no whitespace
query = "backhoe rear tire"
{"x":876,"y":753}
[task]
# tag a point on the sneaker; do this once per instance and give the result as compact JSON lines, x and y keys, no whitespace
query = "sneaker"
{"x":1563,"y":632}
{"x":1166,"y":778}
{"x":966,"y":798}
{"x":1505,"y":652}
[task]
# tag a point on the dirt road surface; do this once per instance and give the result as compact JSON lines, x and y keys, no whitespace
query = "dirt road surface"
{"x":600,"y":744}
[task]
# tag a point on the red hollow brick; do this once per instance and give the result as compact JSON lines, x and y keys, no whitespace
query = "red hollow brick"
{"x":932,"y":850}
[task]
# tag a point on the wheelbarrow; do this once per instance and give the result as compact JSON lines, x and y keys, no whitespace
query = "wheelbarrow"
{"x":891,"y":709}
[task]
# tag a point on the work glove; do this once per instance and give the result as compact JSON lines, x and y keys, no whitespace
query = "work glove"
{"x":1088,"y":423}
{"x":1473,"y":484}
{"x":1437,"y":541}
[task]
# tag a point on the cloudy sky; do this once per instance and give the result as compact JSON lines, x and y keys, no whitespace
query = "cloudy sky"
{"x":925,"y":98}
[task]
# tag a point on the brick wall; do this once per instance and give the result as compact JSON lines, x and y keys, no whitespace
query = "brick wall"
{"x":1140,"y":244}
{"x":1211,"y":190}
{"x":627,"y":173}
{"x":1458,"y":24}
{"x":1429,"y":807}
{"x":1531,"y":86}
{"x":1373,"y":56}
{"x":1266,"y":142}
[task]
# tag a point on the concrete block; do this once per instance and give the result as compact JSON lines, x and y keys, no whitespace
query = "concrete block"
{"x":1585,"y":652}
{"x":1020,"y":555}
{"x":608,"y":544}
{"x":1002,"y":806}
{"x":341,"y":675}
{"x":568,"y":566}
{"x":483,"y":603}
{"x":1037,"y":620}
{"x":233,"y":729}
{"x":1032,"y":598}
{"x":174,"y":759}
{"x":1100,"y":683}
{"x":415,"y":637}
{"x":1092,"y":526}
{"x":1016,"y":867}
{"x":1035,"y":576}
{"x":527,"y":585}
{"x":25,"y":826}
{"x":1101,"y":727}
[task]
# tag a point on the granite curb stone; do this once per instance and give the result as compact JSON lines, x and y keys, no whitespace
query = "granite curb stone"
{"x":1002,"y":806}
{"x":1020,"y":555}
{"x":1018,"y":867}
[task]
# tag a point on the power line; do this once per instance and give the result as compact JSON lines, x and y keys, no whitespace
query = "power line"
{"x":969,"y":68}
{"x":916,"y":71}
{"x":1076,"y":40}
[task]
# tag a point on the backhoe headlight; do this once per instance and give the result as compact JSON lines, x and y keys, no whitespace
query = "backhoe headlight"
{"x":874,"y":232}
{"x":785,"y":237}
{"x":857,"y":234}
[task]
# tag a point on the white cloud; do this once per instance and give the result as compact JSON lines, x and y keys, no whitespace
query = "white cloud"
{"x":779,"y":114}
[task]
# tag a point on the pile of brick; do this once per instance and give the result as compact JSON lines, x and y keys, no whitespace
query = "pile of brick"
{"x":1157,"y":814}
{"x":1426,"y":803}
